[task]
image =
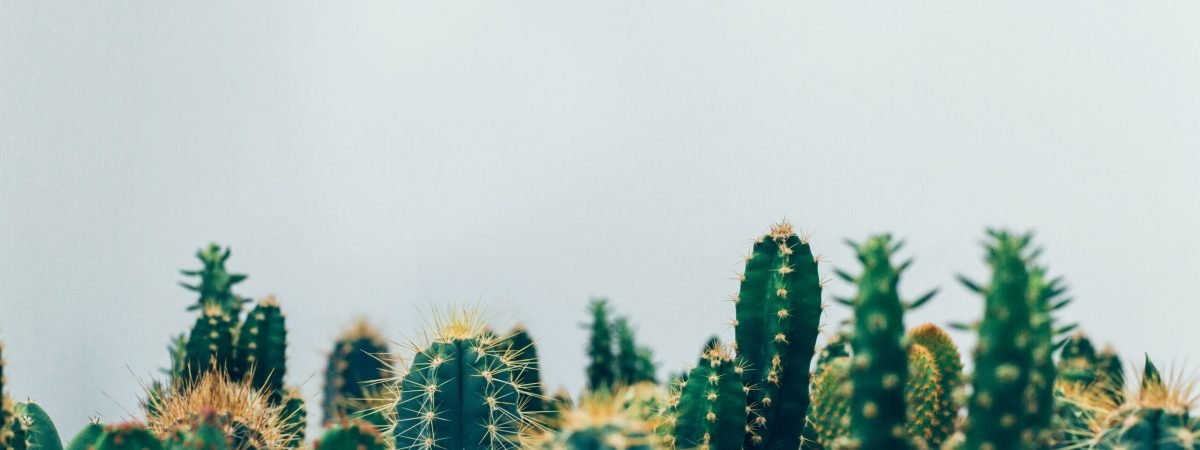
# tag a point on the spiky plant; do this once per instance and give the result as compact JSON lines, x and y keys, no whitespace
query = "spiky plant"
{"x":8,"y":418}
{"x":923,"y":397}
{"x":205,"y":433}
{"x":604,"y":421}
{"x":523,"y":348}
{"x":1077,"y":360}
{"x":949,"y":364}
{"x":351,"y":435}
{"x":1110,"y":374}
{"x":246,"y":415}
{"x":778,"y":314}
{"x":460,"y":391}
{"x":602,"y":363}
{"x":216,"y":283}
{"x":41,"y":434}
{"x":708,"y":410}
{"x":261,"y":353}
{"x":359,"y":362}
{"x":87,"y":437}
{"x":294,"y":414}
{"x":1155,"y":417}
{"x":1043,"y":294}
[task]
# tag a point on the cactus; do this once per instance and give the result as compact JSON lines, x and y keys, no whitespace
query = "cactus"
{"x":459,"y":391}
{"x":604,"y":421}
{"x":351,"y":435}
{"x":246,"y":415}
{"x":709,"y":409}
{"x":8,"y":418}
{"x":923,"y":397}
{"x":1156,"y":417}
{"x":1043,"y":294}
{"x":1110,"y":374}
{"x":1004,"y":355}
{"x":206,"y":433}
{"x":524,"y":350}
{"x":127,"y":436}
{"x":294,"y":414}
{"x":829,"y":414}
{"x":360,"y":358}
{"x":1077,"y":360}
{"x":87,"y":437}
{"x":262,"y":349}
{"x":880,"y":365}
{"x":778,"y":314}
{"x":210,"y":346}
{"x":216,"y":283}
{"x":949,"y":364}
{"x":41,"y":434}
{"x":601,"y":370}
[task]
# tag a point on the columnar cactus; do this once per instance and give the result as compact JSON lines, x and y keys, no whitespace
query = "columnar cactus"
{"x":709,"y":409}
{"x":1043,"y":294}
{"x":359,"y":360}
{"x":41,"y":434}
{"x":294,"y":414}
{"x":210,"y":346}
{"x":262,"y":349}
{"x":949,"y":364}
{"x":351,"y":435}
{"x":778,"y":315}
{"x":459,"y":391}
{"x":880,"y":365}
{"x":1004,"y":356}
{"x":601,"y":369}
{"x":524,"y":350}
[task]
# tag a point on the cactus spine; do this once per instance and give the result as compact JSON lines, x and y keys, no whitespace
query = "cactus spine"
{"x":778,"y":314}
{"x":459,"y":391}
{"x":604,"y":421}
{"x":294,"y":414}
{"x":351,"y":435}
{"x":923,"y":396}
{"x":360,"y":358}
{"x":949,"y":364}
{"x":880,"y":366}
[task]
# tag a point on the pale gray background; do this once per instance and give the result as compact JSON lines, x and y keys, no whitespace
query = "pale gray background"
{"x":385,"y":158}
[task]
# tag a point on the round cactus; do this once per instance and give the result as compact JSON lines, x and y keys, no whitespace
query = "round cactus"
{"x":949,"y":364}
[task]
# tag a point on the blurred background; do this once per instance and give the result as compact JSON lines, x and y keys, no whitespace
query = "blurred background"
{"x":387,"y":159}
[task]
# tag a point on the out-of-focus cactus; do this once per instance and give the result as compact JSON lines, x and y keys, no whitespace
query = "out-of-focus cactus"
{"x":262,"y":349}
{"x":1004,"y":355}
{"x":41,"y":434}
{"x":1110,"y":374}
{"x":351,"y":435}
{"x":709,"y":409}
{"x":1154,"y":418}
{"x":359,"y":361}
{"x":294,"y":414}
{"x":778,"y":314}
{"x":8,"y":418}
{"x":829,"y":414}
{"x":87,"y":437}
{"x":1043,"y":295}
{"x":601,"y":369}
{"x":126,"y":436}
{"x":206,"y":433}
{"x":604,"y":421}
{"x":923,"y":397}
{"x":530,"y":376}
{"x":556,"y":406}
{"x":244,"y":414}
{"x":1077,"y":360}
{"x":879,"y":368}
{"x":216,"y":283}
{"x":459,"y":391}
{"x":949,"y":364}
{"x":210,"y":346}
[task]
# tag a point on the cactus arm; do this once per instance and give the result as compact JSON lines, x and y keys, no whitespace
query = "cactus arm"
{"x":42,"y":434}
{"x":802,"y":285}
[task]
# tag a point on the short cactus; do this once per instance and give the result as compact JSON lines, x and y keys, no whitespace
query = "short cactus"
{"x":351,"y":435}
{"x":949,"y":364}
{"x":245,"y":414}
{"x":603,"y":421}
{"x":294,"y":414}
{"x":1110,"y":374}
{"x":1077,"y":360}
{"x":41,"y":434}
{"x":360,"y":359}
{"x":923,"y":397}
{"x":459,"y":391}
{"x":709,"y":409}
{"x":262,"y":349}
{"x":1154,"y":418}
{"x":205,"y":433}
{"x":778,"y":314}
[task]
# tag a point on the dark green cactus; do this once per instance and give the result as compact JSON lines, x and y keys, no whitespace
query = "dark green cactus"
{"x":949,"y":364}
{"x":127,"y":436}
{"x":829,"y":414}
{"x":18,"y":438}
{"x":351,"y":435}
{"x":360,"y":358}
{"x":880,"y":365}
{"x":87,"y":437}
{"x":530,"y":375}
{"x":1110,"y":374}
{"x":216,"y":283}
{"x":601,"y":369}
{"x":1077,"y":360}
{"x":262,"y":349}
{"x":459,"y":392}
{"x":41,"y":434}
{"x":709,"y":409}
{"x":294,"y":414}
{"x":1043,"y":294}
{"x":1004,"y":355}
{"x":210,"y":346}
{"x":778,"y":314}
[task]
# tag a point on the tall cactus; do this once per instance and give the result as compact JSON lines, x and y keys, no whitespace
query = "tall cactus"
{"x":262,"y":349}
{"x":360,"y":358}
{"x":880,"y":365}
{"x":530,"y":375}
{"x":1004,"y":355}
{"x":949,"y":364}
{"x":778,"y":315}
{"x":459,"y":391}
{"x":601,"y":369}
{"x":709,"y":409}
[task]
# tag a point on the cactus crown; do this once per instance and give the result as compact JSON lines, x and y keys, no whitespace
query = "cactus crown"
{"x":243,"y":411}
{"x":216,"y":283}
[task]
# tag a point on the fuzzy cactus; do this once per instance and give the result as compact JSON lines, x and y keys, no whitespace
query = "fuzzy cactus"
{"x":244,"y":414}
{"x":949,"y":364}
{"x":261,"y":352}
{"x":709,"y":409}
{"x":41,"y":434}
{"x":460,"y":392}
{"x":216,"y":283}
{"x":778,"y":314}
{"x":601,"y":369}
{"x":351,"y":435}
{"x":1004,"y":355}
{"x":360,"y":359}
{"x":1077,"y":360}
{"x":1155,"y":417}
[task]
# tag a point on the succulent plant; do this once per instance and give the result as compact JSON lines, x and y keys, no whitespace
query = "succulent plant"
{"x":708,"y":410}
{"x":602,"y":361}
{"x":530,"y":376}
{"x":40,"y":432}
{"x":261,"y":354}
{"x":604,"y":421}
{"x":359,"y":362}
{"x":949,"y":363}
{"x":351,"y":435}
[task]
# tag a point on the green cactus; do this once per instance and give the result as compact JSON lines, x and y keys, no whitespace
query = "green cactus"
{"x":829,"y":414}
{"x":1004,"y":355}
{"x":205,"y":434}
{"x":210,"y":346}
{"x":359,"y":359}
{"x":604,"y":421}
{"x":709,"y":409}
{"x":1110,"y":374}
{"x":949,"y":364}
{"x":294,"y":414}
{"x":524,"y":350}
{"x":778,"y":315}
{"x":459,"y":391}
{"x":41,"y":432}
{"x":601,"y":369}
{"x":923,"y":397}
{"x":351,"y":435}
{"x":216,"y":283}
{"x":1043,"y":293}
{"x":19,"y":435}
{"x":87,"y":437}
{"x":8,"y":418}
{"x":127,"y":436}
{"x":262,"y":349}
{"x":1157,"y":418}
{"x":1077,"y":360}
{"x":880,"y":365}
